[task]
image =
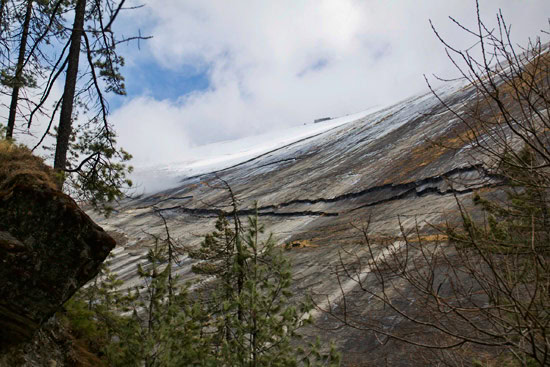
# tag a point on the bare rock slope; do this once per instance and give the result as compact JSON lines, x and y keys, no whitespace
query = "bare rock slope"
{"x":383,"y":168}
{"x":380,"y":167}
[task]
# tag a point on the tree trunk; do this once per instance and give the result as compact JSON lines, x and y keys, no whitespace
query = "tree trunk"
{"x":2,"y":6}
{"x":18,"y":70}
{"x":65,"y":119}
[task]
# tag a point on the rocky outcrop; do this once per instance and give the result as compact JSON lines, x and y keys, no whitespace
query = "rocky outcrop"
{"x":48,"y":249}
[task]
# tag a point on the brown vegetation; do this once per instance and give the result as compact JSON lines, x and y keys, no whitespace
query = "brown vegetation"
{"x":19,"y":166}
{"x":299,"y":244}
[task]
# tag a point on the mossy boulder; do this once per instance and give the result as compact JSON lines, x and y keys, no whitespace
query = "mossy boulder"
{"x":19,"y":165}
{"x":48,"y":248}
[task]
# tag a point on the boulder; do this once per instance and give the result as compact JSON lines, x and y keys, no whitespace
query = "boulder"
{"x":48,"y":249}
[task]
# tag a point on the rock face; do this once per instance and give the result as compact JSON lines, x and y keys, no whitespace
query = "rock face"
{"x":48,"y":249}
{"x":383,"y":168}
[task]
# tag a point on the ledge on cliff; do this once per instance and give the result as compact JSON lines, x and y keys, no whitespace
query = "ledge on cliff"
{"x":48,"y":246}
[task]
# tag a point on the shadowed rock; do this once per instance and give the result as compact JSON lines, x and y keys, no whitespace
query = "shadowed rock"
{"x":48,"y":249}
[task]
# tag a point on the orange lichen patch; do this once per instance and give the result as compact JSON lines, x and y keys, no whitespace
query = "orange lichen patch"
{"x":209,"y":183}
{"x":421,"y":155}
{"x":485,"y":190}
{"x":388,"y":240}
{"x":429,"y":152}
{"x":456,"y":141}
{"x":533,"y":76}
{"x":529,"y":78}
{"x":299,"y":244}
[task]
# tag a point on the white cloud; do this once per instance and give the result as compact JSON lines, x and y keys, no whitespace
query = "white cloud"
{"x":280,"y":63}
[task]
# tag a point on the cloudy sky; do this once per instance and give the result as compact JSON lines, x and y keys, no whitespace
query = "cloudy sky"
{"x":221,"y":70}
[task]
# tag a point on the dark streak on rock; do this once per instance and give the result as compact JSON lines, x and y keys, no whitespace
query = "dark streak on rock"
{"x":163,"y":200}
{"x":408,"y":186}
{"x":217,"y":212}
{"x":407,"y":189}
{"x":425,"y":192}
{"x":276,"y":162}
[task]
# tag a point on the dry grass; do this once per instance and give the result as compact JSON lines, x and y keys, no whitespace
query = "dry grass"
{"x":299,"y":244}
{"x":19,"y":166}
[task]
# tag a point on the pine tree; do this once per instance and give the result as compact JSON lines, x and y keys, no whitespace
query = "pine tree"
{"x":18,"y":78}
{"x":254,"y":318}
{"x":27,"y":26}
{"x":164,"y":328}
{"x":94,"y":311}
{"x":152,"y":325}
{"x":86,"y":156}
{"x":250,"y":319}
{"x":64,"y":128}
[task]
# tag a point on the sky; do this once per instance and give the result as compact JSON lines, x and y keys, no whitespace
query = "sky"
{"x":223,"y":70}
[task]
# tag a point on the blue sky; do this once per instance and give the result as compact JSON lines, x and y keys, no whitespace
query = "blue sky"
{"x":148,"y":78}
{"x":219,"y":70}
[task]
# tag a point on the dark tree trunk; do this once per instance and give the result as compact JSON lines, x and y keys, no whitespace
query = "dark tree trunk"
{"x":65,"y":120}
{"x":2,"y":6}
{"x":18,"y":70}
